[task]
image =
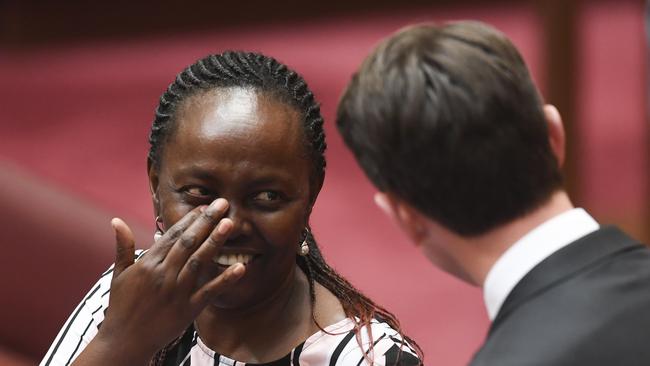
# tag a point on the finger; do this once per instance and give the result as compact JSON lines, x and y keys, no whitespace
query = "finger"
{"x":203,"y":258}
{"x":162,"y":246}
{"x":124,"y":246}
{"x":213,"y":288}
{"x":195,"y":234}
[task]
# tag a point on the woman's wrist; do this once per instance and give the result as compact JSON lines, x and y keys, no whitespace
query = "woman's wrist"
{"x":109,"y":349}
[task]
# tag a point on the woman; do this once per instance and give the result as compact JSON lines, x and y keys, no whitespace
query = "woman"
{"x":234,"y":276}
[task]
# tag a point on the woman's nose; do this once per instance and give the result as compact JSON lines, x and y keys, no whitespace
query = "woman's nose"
{"x":241,"y":224}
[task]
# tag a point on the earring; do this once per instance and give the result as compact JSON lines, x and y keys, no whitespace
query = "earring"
{"x":303,"y":248}
{"x":159,"y":231}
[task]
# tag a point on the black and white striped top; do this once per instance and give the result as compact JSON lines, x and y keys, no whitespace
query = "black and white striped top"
{"x":337,"y":346}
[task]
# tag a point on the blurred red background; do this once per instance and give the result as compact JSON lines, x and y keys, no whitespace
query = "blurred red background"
{"x":73,"y":140}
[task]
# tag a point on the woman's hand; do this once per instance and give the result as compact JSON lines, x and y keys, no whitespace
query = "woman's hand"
{"x":156,"y":298}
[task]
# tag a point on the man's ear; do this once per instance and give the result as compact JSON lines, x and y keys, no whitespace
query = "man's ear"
{"x":556,"y":134}
{"x":408,"y":218}
{"x":152,"y":172}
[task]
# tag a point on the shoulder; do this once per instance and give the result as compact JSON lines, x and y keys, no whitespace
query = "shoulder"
{"x":341,"y":344}
{"x":598,"y":314}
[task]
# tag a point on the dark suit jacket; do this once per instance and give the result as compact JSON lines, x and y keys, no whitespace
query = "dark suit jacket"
{"x":586,"y":304}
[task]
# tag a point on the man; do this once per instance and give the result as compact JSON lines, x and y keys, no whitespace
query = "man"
{"x":447,"y":123}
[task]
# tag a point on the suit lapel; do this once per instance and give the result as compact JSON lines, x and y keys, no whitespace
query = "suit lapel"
{"x":563,"y":264}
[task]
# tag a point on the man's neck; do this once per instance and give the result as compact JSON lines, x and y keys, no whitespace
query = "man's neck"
{"x":480,"y":253}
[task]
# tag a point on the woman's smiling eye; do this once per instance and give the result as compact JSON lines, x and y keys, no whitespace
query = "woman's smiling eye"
{"x":267,"y":196}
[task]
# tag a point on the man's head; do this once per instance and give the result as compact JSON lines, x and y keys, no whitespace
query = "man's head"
{"x":448,"y":119}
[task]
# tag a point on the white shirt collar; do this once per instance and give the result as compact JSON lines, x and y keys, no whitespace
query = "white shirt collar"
{"x":530,"y":250}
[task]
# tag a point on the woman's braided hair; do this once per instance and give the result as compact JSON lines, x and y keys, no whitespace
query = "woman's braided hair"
{"x":265,"y":74}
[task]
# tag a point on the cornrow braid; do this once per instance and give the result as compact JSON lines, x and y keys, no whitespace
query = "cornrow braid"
{"x":265,"y":74}
{"x":242,"y":69}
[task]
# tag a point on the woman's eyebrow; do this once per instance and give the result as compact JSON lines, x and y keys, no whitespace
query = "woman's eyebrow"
{"x":196,"y":173}
{"x":257,"y":178}
{"x":274,"y":178}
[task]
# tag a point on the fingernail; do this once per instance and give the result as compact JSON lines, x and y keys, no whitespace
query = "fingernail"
{"x":222,"y":227}
{"x":219,"y":204}
{"x":202,"y":208}
{"x":238,"y":269}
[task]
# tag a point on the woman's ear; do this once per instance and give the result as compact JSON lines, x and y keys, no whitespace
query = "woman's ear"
{"x":556,"y":136}
{"x":315,"y":186}
{"x":152,"y":172}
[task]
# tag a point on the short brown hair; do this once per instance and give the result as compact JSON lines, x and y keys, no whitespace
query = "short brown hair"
{"x":448,"y":118}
